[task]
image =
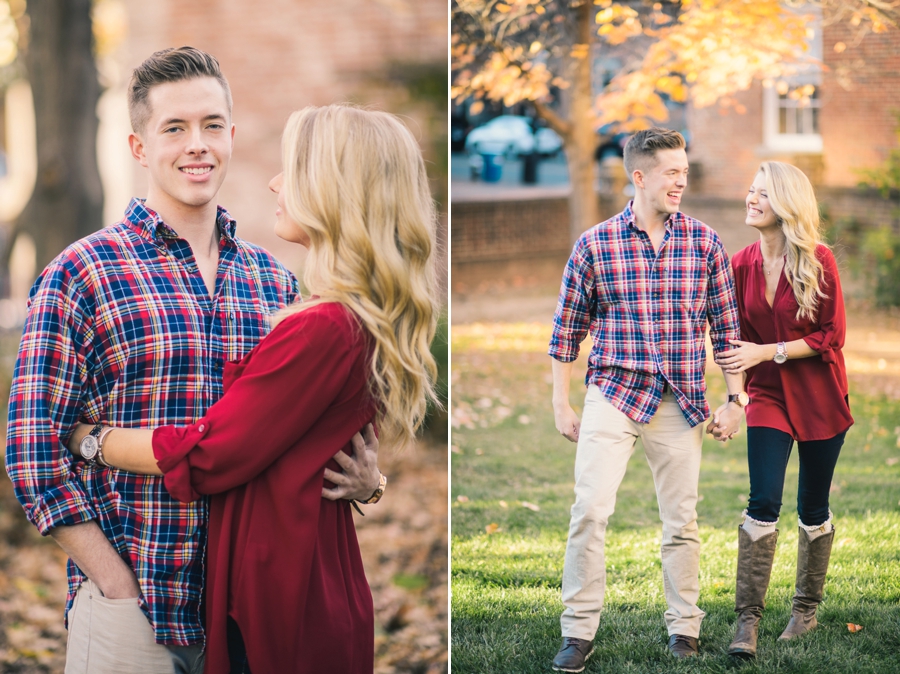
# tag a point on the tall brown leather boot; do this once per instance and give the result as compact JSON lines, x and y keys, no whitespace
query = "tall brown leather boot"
{"x":812,"y":565}
{"x":754,"y":569}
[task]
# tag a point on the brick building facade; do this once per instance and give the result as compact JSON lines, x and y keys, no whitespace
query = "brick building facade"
{"x":858,"y":101}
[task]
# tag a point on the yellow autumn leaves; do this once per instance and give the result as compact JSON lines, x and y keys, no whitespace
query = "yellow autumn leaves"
{"x":703,"y":50}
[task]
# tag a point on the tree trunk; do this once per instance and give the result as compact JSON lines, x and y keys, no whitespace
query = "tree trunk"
{"x":67,"y":202}
{"x":581,"y":141}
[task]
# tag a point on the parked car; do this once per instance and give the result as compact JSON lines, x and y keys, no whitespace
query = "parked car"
{"x":512,"y":135}
{"x":547,"y":142}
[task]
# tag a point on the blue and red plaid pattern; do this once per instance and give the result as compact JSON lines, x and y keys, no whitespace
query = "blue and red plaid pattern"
{"x":121,"y":330}
{"x":646,"y":312}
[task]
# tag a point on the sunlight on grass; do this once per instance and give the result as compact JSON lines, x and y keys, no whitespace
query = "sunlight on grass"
{"x":511,"y":494}
{"x":520,"y":337}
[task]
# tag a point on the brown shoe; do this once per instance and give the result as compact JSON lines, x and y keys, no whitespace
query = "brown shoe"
{"x":572,"y":655}
{"x":682,"y":646}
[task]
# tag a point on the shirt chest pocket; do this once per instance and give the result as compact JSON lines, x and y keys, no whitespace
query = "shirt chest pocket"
{"x":686,"y":281}
{"x":245,"y":326}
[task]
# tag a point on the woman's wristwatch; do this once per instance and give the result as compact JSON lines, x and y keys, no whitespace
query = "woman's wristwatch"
{"x":379,"y":491}
{"x":374,"y":498}
{"x":781,"y":354}
{"x":91,"y":445}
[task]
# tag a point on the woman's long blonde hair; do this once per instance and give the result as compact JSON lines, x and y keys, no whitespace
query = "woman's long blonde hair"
{"x":355,"y":183}
{"x":792,"y":198}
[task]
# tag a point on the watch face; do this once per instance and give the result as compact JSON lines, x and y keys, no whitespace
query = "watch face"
{"x":780,"y":358}
{"x":743,"y":399}
{"x":88,"y":448}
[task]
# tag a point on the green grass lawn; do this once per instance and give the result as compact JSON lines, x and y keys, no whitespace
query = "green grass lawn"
{"x":512,"y":489}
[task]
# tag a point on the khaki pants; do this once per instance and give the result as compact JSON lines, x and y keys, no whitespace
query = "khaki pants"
{"x":605,"y":444}
{"x":113,"y":636}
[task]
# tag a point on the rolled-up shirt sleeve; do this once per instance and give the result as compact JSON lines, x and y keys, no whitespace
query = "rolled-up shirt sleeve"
{"x":722,"y":308}
{"x":46,"y":401}
{"x":573,"y":316}
{"x":830,"y":313}
{"x":287,"y":382}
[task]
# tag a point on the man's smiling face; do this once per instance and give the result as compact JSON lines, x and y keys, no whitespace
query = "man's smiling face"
{"x":186,"y":143}
{"x":664,"y":183}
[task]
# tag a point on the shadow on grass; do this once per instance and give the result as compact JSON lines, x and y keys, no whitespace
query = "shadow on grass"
{"x":512,"y":490}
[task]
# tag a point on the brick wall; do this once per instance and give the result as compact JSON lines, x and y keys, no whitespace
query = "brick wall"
{"x":860,"y":95}
{"x":501,"y":230}
{"x":724,"y":146}
{"x":864,"y":206}
{"x":525,"y":243}
{"x":860,"y":101}
{"x":281,"y":55}
{"x":493,"y":231}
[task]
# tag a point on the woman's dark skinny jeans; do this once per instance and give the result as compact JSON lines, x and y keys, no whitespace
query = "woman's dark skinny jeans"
{"x":768,"y":451}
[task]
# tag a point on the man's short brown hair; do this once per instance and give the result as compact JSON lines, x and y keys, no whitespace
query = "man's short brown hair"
{"x":169,"y":65}
{"x":640,"y":152}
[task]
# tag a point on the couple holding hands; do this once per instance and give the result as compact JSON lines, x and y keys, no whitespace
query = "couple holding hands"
{"x":645,"y":284}
{"x":175,"y":409}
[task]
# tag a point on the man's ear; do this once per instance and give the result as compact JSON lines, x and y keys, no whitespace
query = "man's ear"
{"x":137,"y":148}
{"x":637,"y":178}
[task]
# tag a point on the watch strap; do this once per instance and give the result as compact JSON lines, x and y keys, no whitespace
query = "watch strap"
{"x":379,"y":491}
{"x":93,"y":433}
{"x":781,"y":354}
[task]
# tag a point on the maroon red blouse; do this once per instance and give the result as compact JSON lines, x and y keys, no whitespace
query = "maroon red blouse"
{"x":805,"y":397}
{"x":282,"y":561}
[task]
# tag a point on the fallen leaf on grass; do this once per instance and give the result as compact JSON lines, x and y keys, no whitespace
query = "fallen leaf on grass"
{"x":893,"y":461}
{"x":462,"y":499}
{"x":844,"y":541}
{"x":854,"y":628}
{"x":503,"y":504}
{"x":492,"y":528}
{"x":531,"y":506}
{"x":524,"y":419}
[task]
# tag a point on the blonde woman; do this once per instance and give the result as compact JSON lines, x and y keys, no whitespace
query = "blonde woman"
{"x":286,"y":590}
{"x":792,"y":328}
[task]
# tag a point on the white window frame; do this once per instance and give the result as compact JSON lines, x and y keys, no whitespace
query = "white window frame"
{"x":785,"y":142}
{"x":773,"y":139}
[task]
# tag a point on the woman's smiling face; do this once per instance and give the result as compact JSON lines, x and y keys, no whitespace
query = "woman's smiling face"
{"x":759,"y":211}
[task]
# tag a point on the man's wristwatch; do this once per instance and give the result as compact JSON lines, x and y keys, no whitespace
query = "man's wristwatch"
{"x":90,"y":444}
{"x":379,"y":491}
{"x":780,"y":353}
{"x":742,"y":399}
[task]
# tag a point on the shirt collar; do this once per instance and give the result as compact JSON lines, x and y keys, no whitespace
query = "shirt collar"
{"x":150,"y":225}
{"x":628,"y":216}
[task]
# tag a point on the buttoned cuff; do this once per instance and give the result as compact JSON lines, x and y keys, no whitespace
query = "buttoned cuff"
{"x":820,"y":342}
{"x":564,"y":352}
{"x":171,"y":446}
{"x":63,"y":505}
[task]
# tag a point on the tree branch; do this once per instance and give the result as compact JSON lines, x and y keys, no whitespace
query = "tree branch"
{"x":556,"y":122}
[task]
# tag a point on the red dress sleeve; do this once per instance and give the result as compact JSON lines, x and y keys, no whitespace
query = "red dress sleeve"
{"x":830,"y":316}
{"x":285,"y":385}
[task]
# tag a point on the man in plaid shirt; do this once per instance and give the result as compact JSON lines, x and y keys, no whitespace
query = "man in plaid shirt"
{"x":644,"y":283}
{"x":131,"y":327}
